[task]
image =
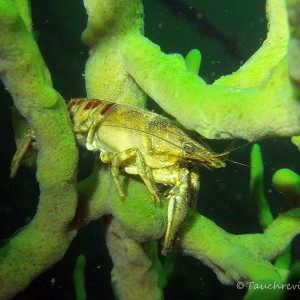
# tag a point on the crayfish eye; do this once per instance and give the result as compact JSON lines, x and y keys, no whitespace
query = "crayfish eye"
{"x":188,"y":148}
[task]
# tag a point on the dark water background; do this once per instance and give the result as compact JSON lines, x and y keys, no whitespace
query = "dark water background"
{"x":227,"y":33}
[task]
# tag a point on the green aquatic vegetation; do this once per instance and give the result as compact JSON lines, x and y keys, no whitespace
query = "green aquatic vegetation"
{"x":125,"y":66}
{"x":79,"y":278}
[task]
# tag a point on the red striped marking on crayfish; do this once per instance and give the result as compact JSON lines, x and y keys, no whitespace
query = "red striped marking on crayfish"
{"x":107,"y":108}
{"x":71,"y":104}
{"x":79,"y":102}
{"x":96,"y":104}
{"x":89,"y":105}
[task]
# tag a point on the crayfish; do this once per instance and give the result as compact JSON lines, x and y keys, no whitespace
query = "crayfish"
{"x":142,"y":143}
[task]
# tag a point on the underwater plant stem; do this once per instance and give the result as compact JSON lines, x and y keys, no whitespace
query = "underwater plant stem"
{"x":264,"y":213}
{"x":46,"y":238}
{"x":79,"y":278}
{"x":135,"y":274}
{"x":293,"y":10}
{"x":168,"y":266}
{"x":25,"y":12}
{"x":239,"y":257}
{"x":258,"y":197}
{"x":242,"y":105}
{"x":105,"y":74}
{"x":288,"y":183}
{"x":193,"y":61}
{"x":214,"y":111}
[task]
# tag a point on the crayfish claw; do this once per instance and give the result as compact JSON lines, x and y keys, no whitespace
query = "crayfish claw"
{"x":177,"y":209}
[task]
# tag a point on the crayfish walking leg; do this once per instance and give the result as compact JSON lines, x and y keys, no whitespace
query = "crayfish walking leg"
{"x":140,"y":168}
{"x":27,"y":139}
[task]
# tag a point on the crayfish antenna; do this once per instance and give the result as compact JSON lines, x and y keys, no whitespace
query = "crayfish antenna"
{"x":237,"y":163}
{"x":224,"y":155}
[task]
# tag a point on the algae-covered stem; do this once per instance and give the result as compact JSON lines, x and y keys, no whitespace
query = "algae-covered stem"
{"x":27,"y":78}
{"x":259,"y":97}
